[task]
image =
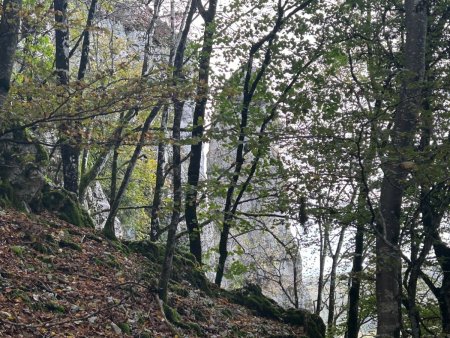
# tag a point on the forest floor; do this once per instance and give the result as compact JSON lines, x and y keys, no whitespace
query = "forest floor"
{"x":59,"y":280}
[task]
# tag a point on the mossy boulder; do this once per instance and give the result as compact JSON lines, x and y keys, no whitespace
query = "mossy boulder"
{"x":185,"y":268}
{"x":251,"y":296}
{"x":125,"y":327}
{"x":313,"y":324}
{"x":153,"y":251}
{"x":65,"y":206}
{"x":22,"y":163}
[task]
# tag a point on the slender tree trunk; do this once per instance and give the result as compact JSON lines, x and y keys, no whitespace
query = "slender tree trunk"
{"x":388,"y":279}
{"x":354,"y":292}
{"x":84,"y":60}
{"x":251,"y":82}
{"x":166,"y":269}
{"x":70,"y":151}
{"x":191,"y":201}
{"x":160,"y":179}
{"x":353,"y":323}
{"x":323,"y":233}
{"x":434,"y":204}
{"x":177,"y":199}
{"x":9,"y":37}
{"x":103,"y":157}
{"x":114,"y":170}
{"x":161,"y":160}
{"x":248,"y":92}
{"x":333,"y":274}
{"x":442,"y":252}
{"x":109,"y":225}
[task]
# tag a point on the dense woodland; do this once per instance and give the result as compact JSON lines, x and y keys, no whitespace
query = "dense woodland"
{"x":327,"y":118}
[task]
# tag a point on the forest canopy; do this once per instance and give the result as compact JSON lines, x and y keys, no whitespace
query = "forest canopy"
{"x":302,"y":146}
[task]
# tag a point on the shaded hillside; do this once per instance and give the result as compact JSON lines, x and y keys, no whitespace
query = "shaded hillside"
{"x":60,"y":280}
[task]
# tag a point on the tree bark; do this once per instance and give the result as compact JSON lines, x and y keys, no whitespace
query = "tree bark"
{"x":109,"y":225}
{"x":160,"y":179}
{"x":191,"y":200}
{"x":166,"y":269}
{"x":333,"y":276}
{"x":9,"y":37}
{"x":354,"y":292}
{"x":70,"y":140}
{"x":388,"y":278}
{"x":84,"y":60}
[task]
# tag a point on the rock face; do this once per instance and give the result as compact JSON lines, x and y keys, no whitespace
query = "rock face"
{"x":263,"y":250}
{"x":97,"y":203}
{"x":21,"y":163}
{"x":23,"y":184}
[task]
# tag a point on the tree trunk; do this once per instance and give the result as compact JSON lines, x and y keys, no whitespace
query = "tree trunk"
{"x":84,"y":60}
{"x":160,"y":179}
{"x":388,"y":279}
{"x":354,"y":292}
{"x":70,"y":139}
{"x":9,"y":37}
{"x":177,"y":201}
{"x":109,"y":225}
{"x":442,"y":252}
{"x":191,"y":202}
{"x":166,"y":269}
{"x":323,"y":233}
{"x":332,"y":298}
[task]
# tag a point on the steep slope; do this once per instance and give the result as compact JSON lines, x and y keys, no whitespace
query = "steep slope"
{"x":60,"y":280}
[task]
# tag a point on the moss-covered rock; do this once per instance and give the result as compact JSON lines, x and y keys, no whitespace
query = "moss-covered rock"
{"x":251,"y":296}
{"x":18,"y":250}
{"x":22,"y":163}
{"x":41,"y":247}
{"x":54,"y":307}
{"x":313,"y":324}
{"x":171,"y":314}
{"x":66,"y":207}
{"x":71,"y":245}
{"x":125,"y":327}
{"x":151,"y":250}
{"x":7,"y":197}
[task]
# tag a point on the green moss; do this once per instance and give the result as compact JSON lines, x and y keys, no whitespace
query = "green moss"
{"x":18,"y":250}
{"x":171,"y":314}
{"x":54,"y":307}
{"x":251,"y":297}
{"x":111,"y":261}
{"x":227,"y":312}
{"x":41,"y":248}
{"x":7,"y":197}
{"x":67,"y":207}
{"x":71,"y":245}
{"x":120,"y":247}
{"x":151,"y":250}
{"x":199,"y":315}
{"x":125,"y":327}
{"x":195,"y":327}
{"x":179,"y":290}
{"x":145,"y":335}
{"x":313,"y":324}
{"x":19,"y":294}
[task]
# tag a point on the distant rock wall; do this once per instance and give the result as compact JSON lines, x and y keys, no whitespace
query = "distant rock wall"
{"x":98,"y":205}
